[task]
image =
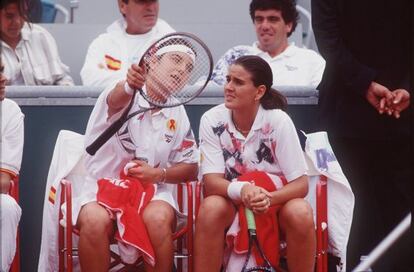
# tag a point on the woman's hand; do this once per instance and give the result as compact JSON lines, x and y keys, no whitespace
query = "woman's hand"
{"x":135,"y":77}
{"x":255,"y":198}
{"x":144,"y":172}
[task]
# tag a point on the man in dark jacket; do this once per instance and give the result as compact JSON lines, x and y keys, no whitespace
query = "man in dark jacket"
{"x":364,"y":100}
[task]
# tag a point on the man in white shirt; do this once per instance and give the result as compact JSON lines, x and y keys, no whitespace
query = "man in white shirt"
{"x":274,"y":22}
{"x":112,"y":53}
{"x":12,"y":134}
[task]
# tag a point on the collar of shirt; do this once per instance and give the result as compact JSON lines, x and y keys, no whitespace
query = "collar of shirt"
{"x":257,"y":124}
{"x":143,"y":103}
{"x":287,"y":53}
{"x":25,"y":32}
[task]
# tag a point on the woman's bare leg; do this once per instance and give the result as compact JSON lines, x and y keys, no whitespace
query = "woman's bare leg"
{"x":296,"y":222}
{"x":96,"y":229}
{"x":159,"y":218}
{"x":215,"y":215}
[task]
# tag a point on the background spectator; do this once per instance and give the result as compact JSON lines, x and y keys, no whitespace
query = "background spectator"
{"x":112,"y":53}
{"x":274,"y":22}
{"x":29,"y":52}
{"x":367,"y":46}
{"x":11,"y":150}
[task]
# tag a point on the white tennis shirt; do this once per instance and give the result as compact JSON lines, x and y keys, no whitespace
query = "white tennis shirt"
{"x":272,"y":145}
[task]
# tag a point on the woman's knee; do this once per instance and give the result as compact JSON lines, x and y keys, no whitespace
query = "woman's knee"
{"x":215,"y":211}
{"x":95,"y":221}
{"x":159,"y":215}
{"x":297,"y":215}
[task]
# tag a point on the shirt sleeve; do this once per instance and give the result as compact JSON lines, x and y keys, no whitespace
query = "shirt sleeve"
{"x":94,"y":71}
{"x":288,"y":149}
{"x":318,"y":66}
{"x":211,"y":160}
{"x":99,"y":119}
{"x":12,"y":139}
{"x":62,"y":78}
{"x":220,"y":70}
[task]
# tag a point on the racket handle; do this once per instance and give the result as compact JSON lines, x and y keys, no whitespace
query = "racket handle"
{"x":251,"y":224}
{"x":104,"y":137}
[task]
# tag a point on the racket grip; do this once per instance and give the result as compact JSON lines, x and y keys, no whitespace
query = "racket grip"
{"x":104,"y":137}
{"x":251,"y":224}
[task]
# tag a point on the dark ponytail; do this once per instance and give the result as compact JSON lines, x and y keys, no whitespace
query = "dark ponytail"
{"x":273,"y":99}
{"x":261,"y":74}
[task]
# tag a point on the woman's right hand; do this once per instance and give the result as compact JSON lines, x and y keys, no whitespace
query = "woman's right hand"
{"x":136,"y":77}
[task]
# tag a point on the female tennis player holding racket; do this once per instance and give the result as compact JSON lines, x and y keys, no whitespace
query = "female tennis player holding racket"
{"x":250,"y":132}
{"x":159,"y":141}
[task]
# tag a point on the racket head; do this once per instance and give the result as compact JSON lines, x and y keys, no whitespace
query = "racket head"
{"x":178,"y":67}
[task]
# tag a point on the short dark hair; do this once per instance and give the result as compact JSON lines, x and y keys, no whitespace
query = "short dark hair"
{"x":286,"y":7}
{"x":22,"y":5}
{"x":261,"y":74}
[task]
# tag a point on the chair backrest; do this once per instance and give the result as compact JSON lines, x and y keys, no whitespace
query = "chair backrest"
{"x":50,"y":11}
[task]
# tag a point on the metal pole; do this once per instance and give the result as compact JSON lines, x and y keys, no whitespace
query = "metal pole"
{"x":73,"y":4}
{"x":396,"y":233}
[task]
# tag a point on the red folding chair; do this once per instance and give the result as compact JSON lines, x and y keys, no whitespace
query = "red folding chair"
{"x":183,"y":237}
{"x":14,"y":192}
{"x":322,"y":224}
{"x":321,"y":221}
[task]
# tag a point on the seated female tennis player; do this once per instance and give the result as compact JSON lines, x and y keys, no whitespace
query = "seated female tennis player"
{"x":161,"y":144}
{"x":247,"y":136}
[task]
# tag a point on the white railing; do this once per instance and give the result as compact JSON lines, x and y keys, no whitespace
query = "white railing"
{"x":86,"y":96}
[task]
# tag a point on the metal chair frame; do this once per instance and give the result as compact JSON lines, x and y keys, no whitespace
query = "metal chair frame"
{"x":67,"y":251}
{"x":321,"y":221}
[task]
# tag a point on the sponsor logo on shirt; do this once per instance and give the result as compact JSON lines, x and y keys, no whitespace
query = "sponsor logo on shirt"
{"x":112,"y":63}
{"x":168,"y":138}
{"x":186,"y":144}
{"x":188,"y":153}
{"x":172,"y":125}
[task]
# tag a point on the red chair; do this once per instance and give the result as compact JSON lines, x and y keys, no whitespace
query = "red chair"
{"x":321,"y":221}
{"x":322,"y":224}
{"x":183,"y":236}
{"x":14,"y":192}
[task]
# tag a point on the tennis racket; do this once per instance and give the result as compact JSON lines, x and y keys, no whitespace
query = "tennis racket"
{"x":254,"y":242}
{"x":178,"y":67}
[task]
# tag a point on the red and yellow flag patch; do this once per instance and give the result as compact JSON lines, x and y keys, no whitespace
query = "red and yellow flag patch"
{"x":112,"y":63}
{"x":52,"y":195}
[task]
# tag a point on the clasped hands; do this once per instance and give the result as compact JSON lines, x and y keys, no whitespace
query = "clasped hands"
{"x":255,"y":198}
{"x":386,"y":101}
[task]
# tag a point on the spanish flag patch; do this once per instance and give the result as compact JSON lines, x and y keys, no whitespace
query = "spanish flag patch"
{"x":52,"y":195}
{"x":112,"y":63}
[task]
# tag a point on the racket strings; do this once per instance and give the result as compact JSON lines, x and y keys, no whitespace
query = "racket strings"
{"x":178,"y":68}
